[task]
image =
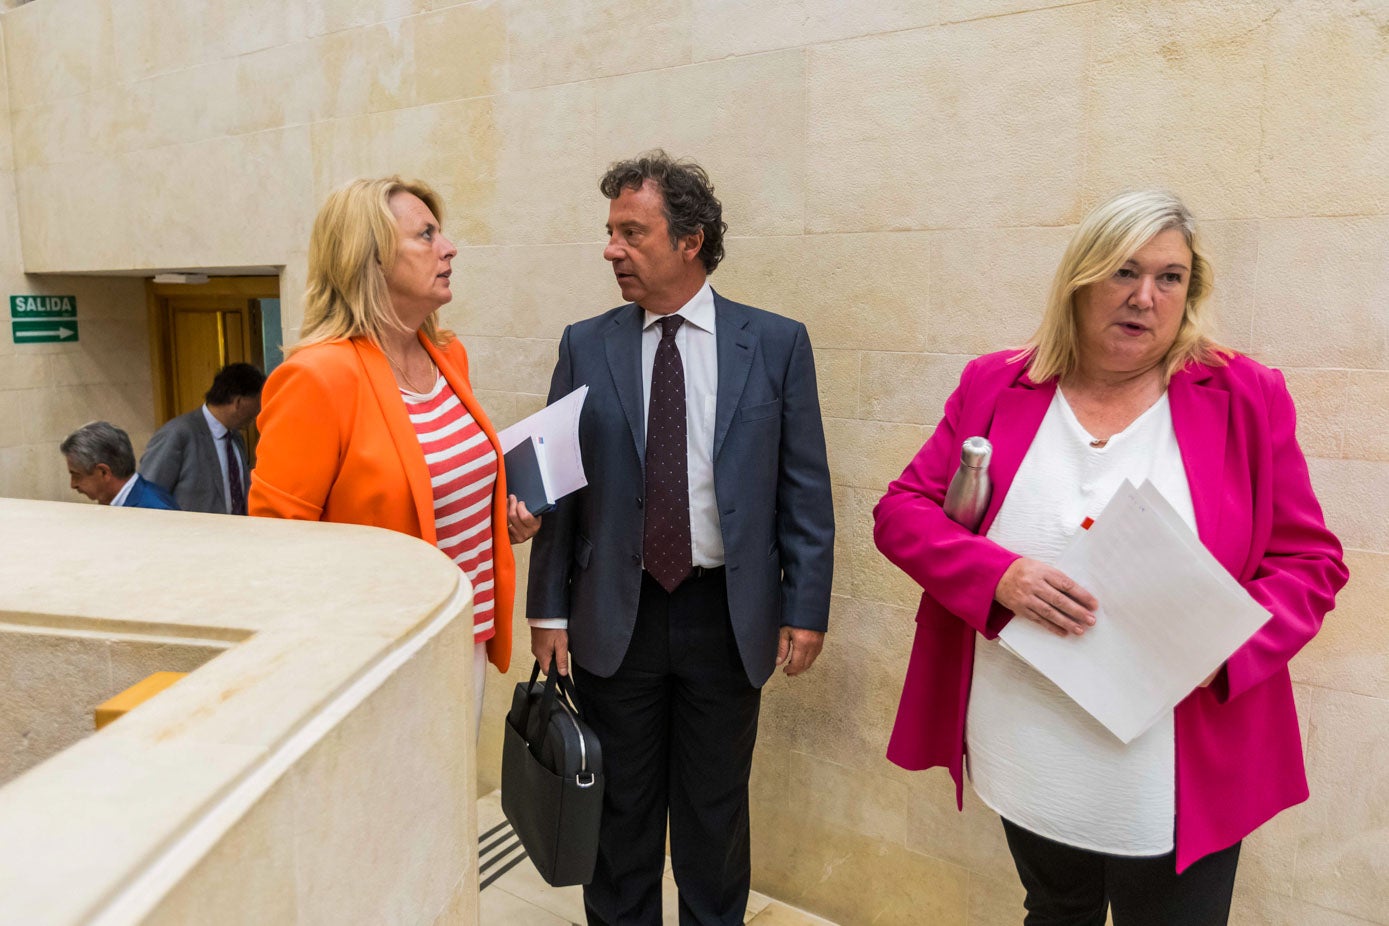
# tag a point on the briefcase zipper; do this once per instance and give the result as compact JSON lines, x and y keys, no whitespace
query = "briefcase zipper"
{"x":583,"y":749}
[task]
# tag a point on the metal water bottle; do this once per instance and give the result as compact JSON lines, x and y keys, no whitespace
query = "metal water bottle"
{"x":968,"y":496}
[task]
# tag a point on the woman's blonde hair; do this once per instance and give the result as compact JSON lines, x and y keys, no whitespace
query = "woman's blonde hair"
{"x":1105,"y":240}
{"x":353,"y":241}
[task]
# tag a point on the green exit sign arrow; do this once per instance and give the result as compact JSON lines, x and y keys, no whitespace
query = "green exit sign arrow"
{"x":43,"y":307}
{"x":42,"y":332}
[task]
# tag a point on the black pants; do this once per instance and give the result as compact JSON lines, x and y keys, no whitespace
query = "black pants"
{"x":677,"y":721}
{"x":1067,"y":886}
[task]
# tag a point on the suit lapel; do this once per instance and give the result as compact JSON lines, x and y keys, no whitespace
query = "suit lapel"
{"x":136,"y":494}
{"x":1200,"y":418}
{"x":245,"y":461}
{"x":402,"y":432}
{"x":212,"y":459}
{"x":623,"y":342}
{"x":1017,"y":417}
{"x":736,"y":346}
{"x":458,"y":382}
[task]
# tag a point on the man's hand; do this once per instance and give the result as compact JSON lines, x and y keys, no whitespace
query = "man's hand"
{"x":798,"y":648}
{"x":521,"y":525}
{"x":1046,"y":596}
{"x":551,"y":644}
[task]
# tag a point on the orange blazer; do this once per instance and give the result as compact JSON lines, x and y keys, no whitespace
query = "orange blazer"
{"x":336,"y":444}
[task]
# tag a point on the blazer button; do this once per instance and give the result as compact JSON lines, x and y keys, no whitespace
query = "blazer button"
{"x":636,"y":559}
{"x":638,"y":502}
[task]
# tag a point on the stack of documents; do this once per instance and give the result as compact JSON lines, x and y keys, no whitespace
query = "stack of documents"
{"x":1169,"y":615}
{"x":527,"y":475}
{"x":543,"y":460}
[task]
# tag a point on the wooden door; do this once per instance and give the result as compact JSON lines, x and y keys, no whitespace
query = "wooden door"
{"x":196,"y":329}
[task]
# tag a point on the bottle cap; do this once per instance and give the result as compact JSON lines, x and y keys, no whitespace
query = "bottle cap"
{"x":976,"y":452}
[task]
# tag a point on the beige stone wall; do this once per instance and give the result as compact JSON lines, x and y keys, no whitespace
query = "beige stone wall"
{"x":49,"y":390}
{"x":54,"y":682}
{"x":900,"y":175}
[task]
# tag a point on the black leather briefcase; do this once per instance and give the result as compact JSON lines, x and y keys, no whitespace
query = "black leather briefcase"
{"x":552,"y":780}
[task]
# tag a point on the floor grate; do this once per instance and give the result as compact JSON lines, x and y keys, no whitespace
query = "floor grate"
{"x":499,"y":851}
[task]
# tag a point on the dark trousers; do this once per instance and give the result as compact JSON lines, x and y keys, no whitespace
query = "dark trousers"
{"x":677,"y":721}
{"x":1067,"y":886}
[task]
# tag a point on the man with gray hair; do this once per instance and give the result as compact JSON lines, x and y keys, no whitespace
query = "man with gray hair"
{"x":101,"y":463}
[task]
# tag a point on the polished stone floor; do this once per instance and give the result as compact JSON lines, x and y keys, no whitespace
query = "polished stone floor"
{"x":513,"y":894}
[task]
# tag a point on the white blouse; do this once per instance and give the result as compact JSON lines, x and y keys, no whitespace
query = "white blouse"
{"x":1035,"y":756}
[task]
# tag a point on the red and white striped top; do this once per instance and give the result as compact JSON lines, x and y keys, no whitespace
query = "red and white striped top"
{"x":463,"y":475}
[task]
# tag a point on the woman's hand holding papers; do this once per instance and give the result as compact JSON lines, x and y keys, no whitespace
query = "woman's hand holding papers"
{"x":1046,"y":596}
{"x":521,"y":525}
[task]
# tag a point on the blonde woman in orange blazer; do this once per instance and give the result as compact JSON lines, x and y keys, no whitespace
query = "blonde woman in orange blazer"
{"x":371,"y":419}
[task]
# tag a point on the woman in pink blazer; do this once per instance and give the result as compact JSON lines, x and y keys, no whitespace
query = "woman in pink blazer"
{"x":1121,"y":381}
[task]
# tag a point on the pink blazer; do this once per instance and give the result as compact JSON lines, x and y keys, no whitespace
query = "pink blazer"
{"x":1239,"y":753}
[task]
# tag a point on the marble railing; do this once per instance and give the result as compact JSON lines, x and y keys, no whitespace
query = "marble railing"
{"x":316,"y":766}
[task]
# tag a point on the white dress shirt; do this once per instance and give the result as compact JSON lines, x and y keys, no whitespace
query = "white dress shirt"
{"x":124,"y":493}
{"x":699,"y":355}
{"x":1035,"y":756}
{"x":221,"y":437}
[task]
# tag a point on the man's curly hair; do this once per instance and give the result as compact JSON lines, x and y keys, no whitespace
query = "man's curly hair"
{"x":688,"y":195}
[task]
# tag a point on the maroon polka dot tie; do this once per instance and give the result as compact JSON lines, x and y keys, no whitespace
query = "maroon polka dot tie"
{"x":666,"y":534}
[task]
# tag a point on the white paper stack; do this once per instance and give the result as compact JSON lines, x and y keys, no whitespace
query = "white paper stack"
{"x":555,"y":429}
{"x":1169,"y":615}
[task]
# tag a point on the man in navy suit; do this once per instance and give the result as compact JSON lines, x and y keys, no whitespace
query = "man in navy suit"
{"x":101,"y":464}
{"x":698,"y":557}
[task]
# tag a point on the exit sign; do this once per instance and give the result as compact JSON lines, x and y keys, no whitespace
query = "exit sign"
{"x":43,"y":319}
{"x":40,"y":331}
{"x":43,"y":307}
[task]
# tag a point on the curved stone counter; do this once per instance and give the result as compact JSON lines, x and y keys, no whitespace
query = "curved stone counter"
{"x":318,"y":768}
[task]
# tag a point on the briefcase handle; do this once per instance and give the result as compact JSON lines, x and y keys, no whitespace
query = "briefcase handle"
{"x":556,"y":687}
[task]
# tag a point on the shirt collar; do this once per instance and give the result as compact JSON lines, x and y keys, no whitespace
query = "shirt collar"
{"x":124,"y":493}
{"x":699,"y":311}
{"x":219,"y":430}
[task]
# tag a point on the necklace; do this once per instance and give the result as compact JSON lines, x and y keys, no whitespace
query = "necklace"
{"x":1097,"y":444}
{"x":405,"y":378}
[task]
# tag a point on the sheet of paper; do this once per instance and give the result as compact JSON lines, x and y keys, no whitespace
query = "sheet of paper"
{"x":1169,"y":615}
{"x":556,"y":428}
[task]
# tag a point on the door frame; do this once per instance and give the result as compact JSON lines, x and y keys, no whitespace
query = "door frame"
{"x":157,"y":296}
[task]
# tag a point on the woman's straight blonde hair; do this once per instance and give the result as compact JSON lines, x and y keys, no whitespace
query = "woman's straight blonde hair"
{"x":353,"y":241}
{"x":1105,"y":240}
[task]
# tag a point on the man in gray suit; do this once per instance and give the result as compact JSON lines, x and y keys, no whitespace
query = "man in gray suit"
{"x":698,"y":557}
{"x":200,"y":457}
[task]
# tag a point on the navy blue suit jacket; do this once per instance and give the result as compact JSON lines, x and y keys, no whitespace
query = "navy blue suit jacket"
{"x":146,"y":494}
{"x":771,"y":480}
